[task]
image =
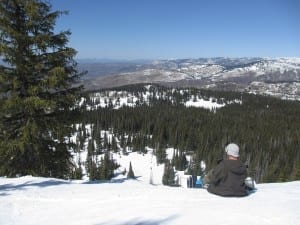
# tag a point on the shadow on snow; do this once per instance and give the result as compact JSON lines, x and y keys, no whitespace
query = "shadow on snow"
{"x":139,"y":221}
{"x":41,"y":184}
{"x":6,"y":188}
{"x":114,"y":181}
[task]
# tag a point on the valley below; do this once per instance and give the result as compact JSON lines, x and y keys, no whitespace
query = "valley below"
{"x":278,"y":77}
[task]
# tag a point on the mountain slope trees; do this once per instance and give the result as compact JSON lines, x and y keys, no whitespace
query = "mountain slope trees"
{"x":266,"y":129}
{"x":37,"y":90}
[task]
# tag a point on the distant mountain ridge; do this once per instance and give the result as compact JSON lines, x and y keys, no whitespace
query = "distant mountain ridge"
{"x":273,"y":76}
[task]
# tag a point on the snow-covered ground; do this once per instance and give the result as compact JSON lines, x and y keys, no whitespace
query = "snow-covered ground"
{"x":118,"y":99}
{"x":44,"y":201}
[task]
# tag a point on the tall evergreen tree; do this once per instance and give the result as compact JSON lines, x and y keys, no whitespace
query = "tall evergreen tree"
{"x":169,"y":174}
{"x":160,"y":154}
{"x":107,"y":167}
{"x":38,"y":87}
{"x":130,"y":172}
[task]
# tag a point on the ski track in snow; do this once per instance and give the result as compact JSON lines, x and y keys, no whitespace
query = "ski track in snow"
{"x":35,"y":201}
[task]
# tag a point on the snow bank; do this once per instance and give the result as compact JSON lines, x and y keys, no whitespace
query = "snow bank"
{"x":30,"y":200}
{"x":35,"y":201}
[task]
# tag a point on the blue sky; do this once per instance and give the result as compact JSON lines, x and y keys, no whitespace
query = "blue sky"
{"x":163,"y":29}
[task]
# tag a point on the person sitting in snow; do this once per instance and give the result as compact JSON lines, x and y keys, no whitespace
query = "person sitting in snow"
{"x":228,"y":177}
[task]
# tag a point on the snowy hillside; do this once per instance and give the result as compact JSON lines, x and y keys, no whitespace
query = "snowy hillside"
{"x":30,"y":200}
{"x":117,"y":99}
{"x":219,"y":73}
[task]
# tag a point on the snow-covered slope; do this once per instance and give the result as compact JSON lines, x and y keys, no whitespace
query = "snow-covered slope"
{"x":197,"y":69}
{"x":34,"y":201}
{"x":118,"y":99}
{"x":30,"y":201}
{"x":223,"y":73}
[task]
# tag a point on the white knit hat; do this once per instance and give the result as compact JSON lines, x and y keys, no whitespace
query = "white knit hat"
{"x":232,"y":149}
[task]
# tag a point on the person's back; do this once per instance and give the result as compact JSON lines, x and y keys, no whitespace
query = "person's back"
{"x":228,"y":178}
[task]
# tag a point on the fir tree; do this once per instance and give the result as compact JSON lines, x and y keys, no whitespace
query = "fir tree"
{"x":169,"y":174}
{"x":114,"y":144}
{"x":37,"y":90}
{"x":107,"y":167}
{"x":130,"y":173}
{"x":160,"y":154}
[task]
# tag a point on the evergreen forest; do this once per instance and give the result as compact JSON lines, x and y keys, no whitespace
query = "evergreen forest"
{"x":267,"y":129}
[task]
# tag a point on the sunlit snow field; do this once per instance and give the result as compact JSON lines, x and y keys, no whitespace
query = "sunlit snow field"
{"x":35,"y":201}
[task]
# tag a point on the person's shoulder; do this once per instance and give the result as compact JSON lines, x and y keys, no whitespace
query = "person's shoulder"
{"x":235,"y":163}
{"x":220,"y":165}
{"x":220,"y":161}
{"x":242,"y":165}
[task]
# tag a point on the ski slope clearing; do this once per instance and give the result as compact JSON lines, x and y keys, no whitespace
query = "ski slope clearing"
{"x":44,"y":201}
{"x":30,"y":200}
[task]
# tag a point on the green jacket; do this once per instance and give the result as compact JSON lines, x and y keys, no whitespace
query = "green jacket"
{"x":228,"y":179}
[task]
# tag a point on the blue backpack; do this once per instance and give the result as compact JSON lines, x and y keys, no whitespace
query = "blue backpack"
{"x":199,"y":182}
